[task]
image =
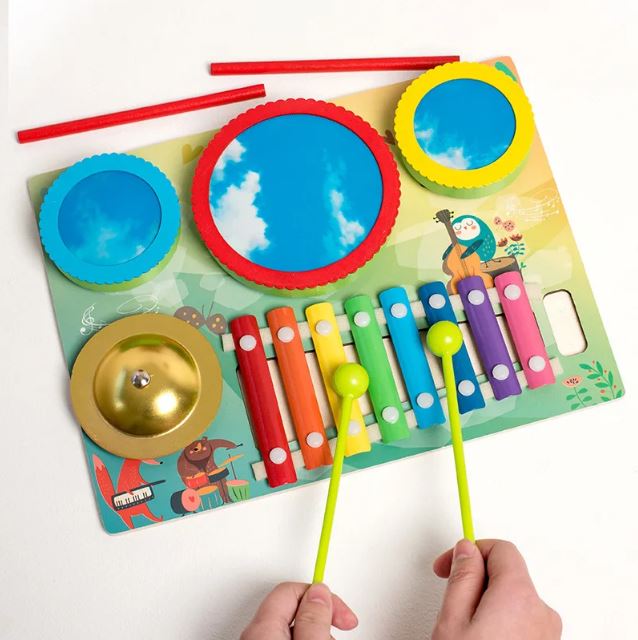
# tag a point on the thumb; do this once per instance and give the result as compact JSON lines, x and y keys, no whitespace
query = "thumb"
{"x":314,"y":615}
{"x":465,"y":585}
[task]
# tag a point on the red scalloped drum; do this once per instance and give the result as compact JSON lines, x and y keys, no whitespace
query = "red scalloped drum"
{"x":347,"y":261}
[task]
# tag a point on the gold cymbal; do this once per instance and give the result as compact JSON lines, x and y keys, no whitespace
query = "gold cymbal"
{"x":136,"y":386}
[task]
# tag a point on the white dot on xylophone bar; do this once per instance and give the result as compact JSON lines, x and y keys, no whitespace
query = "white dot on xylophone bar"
{"x":323,"y":327}
{"x":466,"y":388}
{"x":476,"y":297}
{"x":398,"y":310}
{"x":426,"y":400}
{"x":390,"y":414}
{"x":436,"y":301}
{"x":314,"y":439}
{"x":361,"y":319}
{"x":247,"y":342}
{"x":500,"y":372}
{"x":286,"y":334}
{"x":512,"y":292}
{"x":277,"y":455}
{"x":536,"y":363}
{"x":354,"y":427}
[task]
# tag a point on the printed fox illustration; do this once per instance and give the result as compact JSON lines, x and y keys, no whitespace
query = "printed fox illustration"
{"x":136,"y":490}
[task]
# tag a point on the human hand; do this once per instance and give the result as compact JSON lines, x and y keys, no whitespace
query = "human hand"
{"x":490,"y":595}
{"x":312,"y":609}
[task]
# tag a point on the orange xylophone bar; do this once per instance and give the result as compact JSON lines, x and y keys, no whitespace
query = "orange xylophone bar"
{"x":262,"y":402}
{"x":300,"y":393}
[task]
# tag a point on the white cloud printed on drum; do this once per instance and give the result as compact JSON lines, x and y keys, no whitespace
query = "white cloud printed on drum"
{"x":350,"y":230}
{"x":237,"y":216}
{"x":232,"y":153}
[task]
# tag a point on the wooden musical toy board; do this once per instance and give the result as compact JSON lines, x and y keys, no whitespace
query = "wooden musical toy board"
{"x":274,"y":425}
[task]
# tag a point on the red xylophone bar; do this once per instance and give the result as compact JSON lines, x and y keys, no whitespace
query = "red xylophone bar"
{"x":262,"y":402}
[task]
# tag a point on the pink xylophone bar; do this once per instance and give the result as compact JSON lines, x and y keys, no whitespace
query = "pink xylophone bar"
{"x":524,"y":329}
{"x":262,"y":402}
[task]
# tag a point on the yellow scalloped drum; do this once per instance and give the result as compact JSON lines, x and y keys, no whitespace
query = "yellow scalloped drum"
{"x":468,"y":183}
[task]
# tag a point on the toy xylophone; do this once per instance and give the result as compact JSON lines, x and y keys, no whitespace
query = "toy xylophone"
{"x":330,"y":206}
{"x":507,"y":368}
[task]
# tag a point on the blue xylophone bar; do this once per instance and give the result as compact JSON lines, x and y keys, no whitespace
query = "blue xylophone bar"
{"x":411,"y":356}
{"x":437,"y":306}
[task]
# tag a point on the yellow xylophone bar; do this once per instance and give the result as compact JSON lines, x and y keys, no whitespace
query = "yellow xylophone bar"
{"x":330,"y":352}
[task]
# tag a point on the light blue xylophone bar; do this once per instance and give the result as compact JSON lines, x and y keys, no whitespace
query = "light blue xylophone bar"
{"x":411,"y":356}
{"x":437,"y":306}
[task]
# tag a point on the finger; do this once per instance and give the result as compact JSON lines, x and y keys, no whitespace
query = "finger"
{"x":506,"y":566}
{"x":343,"y":617}
{"x":282,"y":602}
{"x":465,"y":586}
{"x":314,"y":615}
{"x":276,"y":613}
{"x":508,"y":581}
{"x":278,"y":610}
{"x":443,"y":563}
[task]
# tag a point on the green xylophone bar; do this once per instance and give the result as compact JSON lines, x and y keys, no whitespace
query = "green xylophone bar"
{"x":372,"y":355}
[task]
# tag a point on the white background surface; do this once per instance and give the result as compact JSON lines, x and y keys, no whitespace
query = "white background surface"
{"x":565,"y":490}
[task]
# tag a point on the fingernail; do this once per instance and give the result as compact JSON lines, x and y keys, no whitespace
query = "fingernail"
{"x":463,"y":549}
{"x":319,"y":593}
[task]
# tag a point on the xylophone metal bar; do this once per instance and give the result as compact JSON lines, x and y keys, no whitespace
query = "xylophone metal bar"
{"x":524,"y":329}
{"x":374,"y":432}
{"x":533,"y":293}
{"x":410,"y":353}
{"x":489,"y":340}
{"x":437,"y":306}
{"x":261,"y":402}
{"x":330,"y":352}
{"x":300,"y":394}
{"x":372,"y":355}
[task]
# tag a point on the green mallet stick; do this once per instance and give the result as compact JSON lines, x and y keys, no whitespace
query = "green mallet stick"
{"x":444,"y":339}
{"x":350,"y":382}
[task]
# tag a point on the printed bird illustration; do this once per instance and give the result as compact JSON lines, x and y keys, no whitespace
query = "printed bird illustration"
{"x":474,"y":234}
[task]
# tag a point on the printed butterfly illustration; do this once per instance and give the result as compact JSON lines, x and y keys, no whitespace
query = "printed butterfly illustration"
{"x":215,"y":322}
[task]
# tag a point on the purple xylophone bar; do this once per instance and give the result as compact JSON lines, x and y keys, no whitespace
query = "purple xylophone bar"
{"x":488,"y":337}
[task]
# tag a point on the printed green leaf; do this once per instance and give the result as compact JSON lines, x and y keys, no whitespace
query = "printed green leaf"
{"x":611,"y":379}
{"x":575,"y":405}
{"x":601,"y":385}
{"x":593,"y":376}
{"x":582,"y":390}
{"x":619,"y":393}
{"x":605,"y":398}
{"x":586,"y":367}
{"x":587,"y":399}
{"x":599,"y":367}
{"x":571,"y":396}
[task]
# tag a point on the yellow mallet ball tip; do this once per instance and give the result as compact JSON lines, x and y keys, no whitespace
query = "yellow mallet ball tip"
{"x":350,"y":379}
{"x":444,"y":338}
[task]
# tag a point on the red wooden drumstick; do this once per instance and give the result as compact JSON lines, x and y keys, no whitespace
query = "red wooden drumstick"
{"x":418,"y":63}
{"x":142,"y":113}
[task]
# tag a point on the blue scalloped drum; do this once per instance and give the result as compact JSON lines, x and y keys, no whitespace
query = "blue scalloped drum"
{"x":110,"y":222}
